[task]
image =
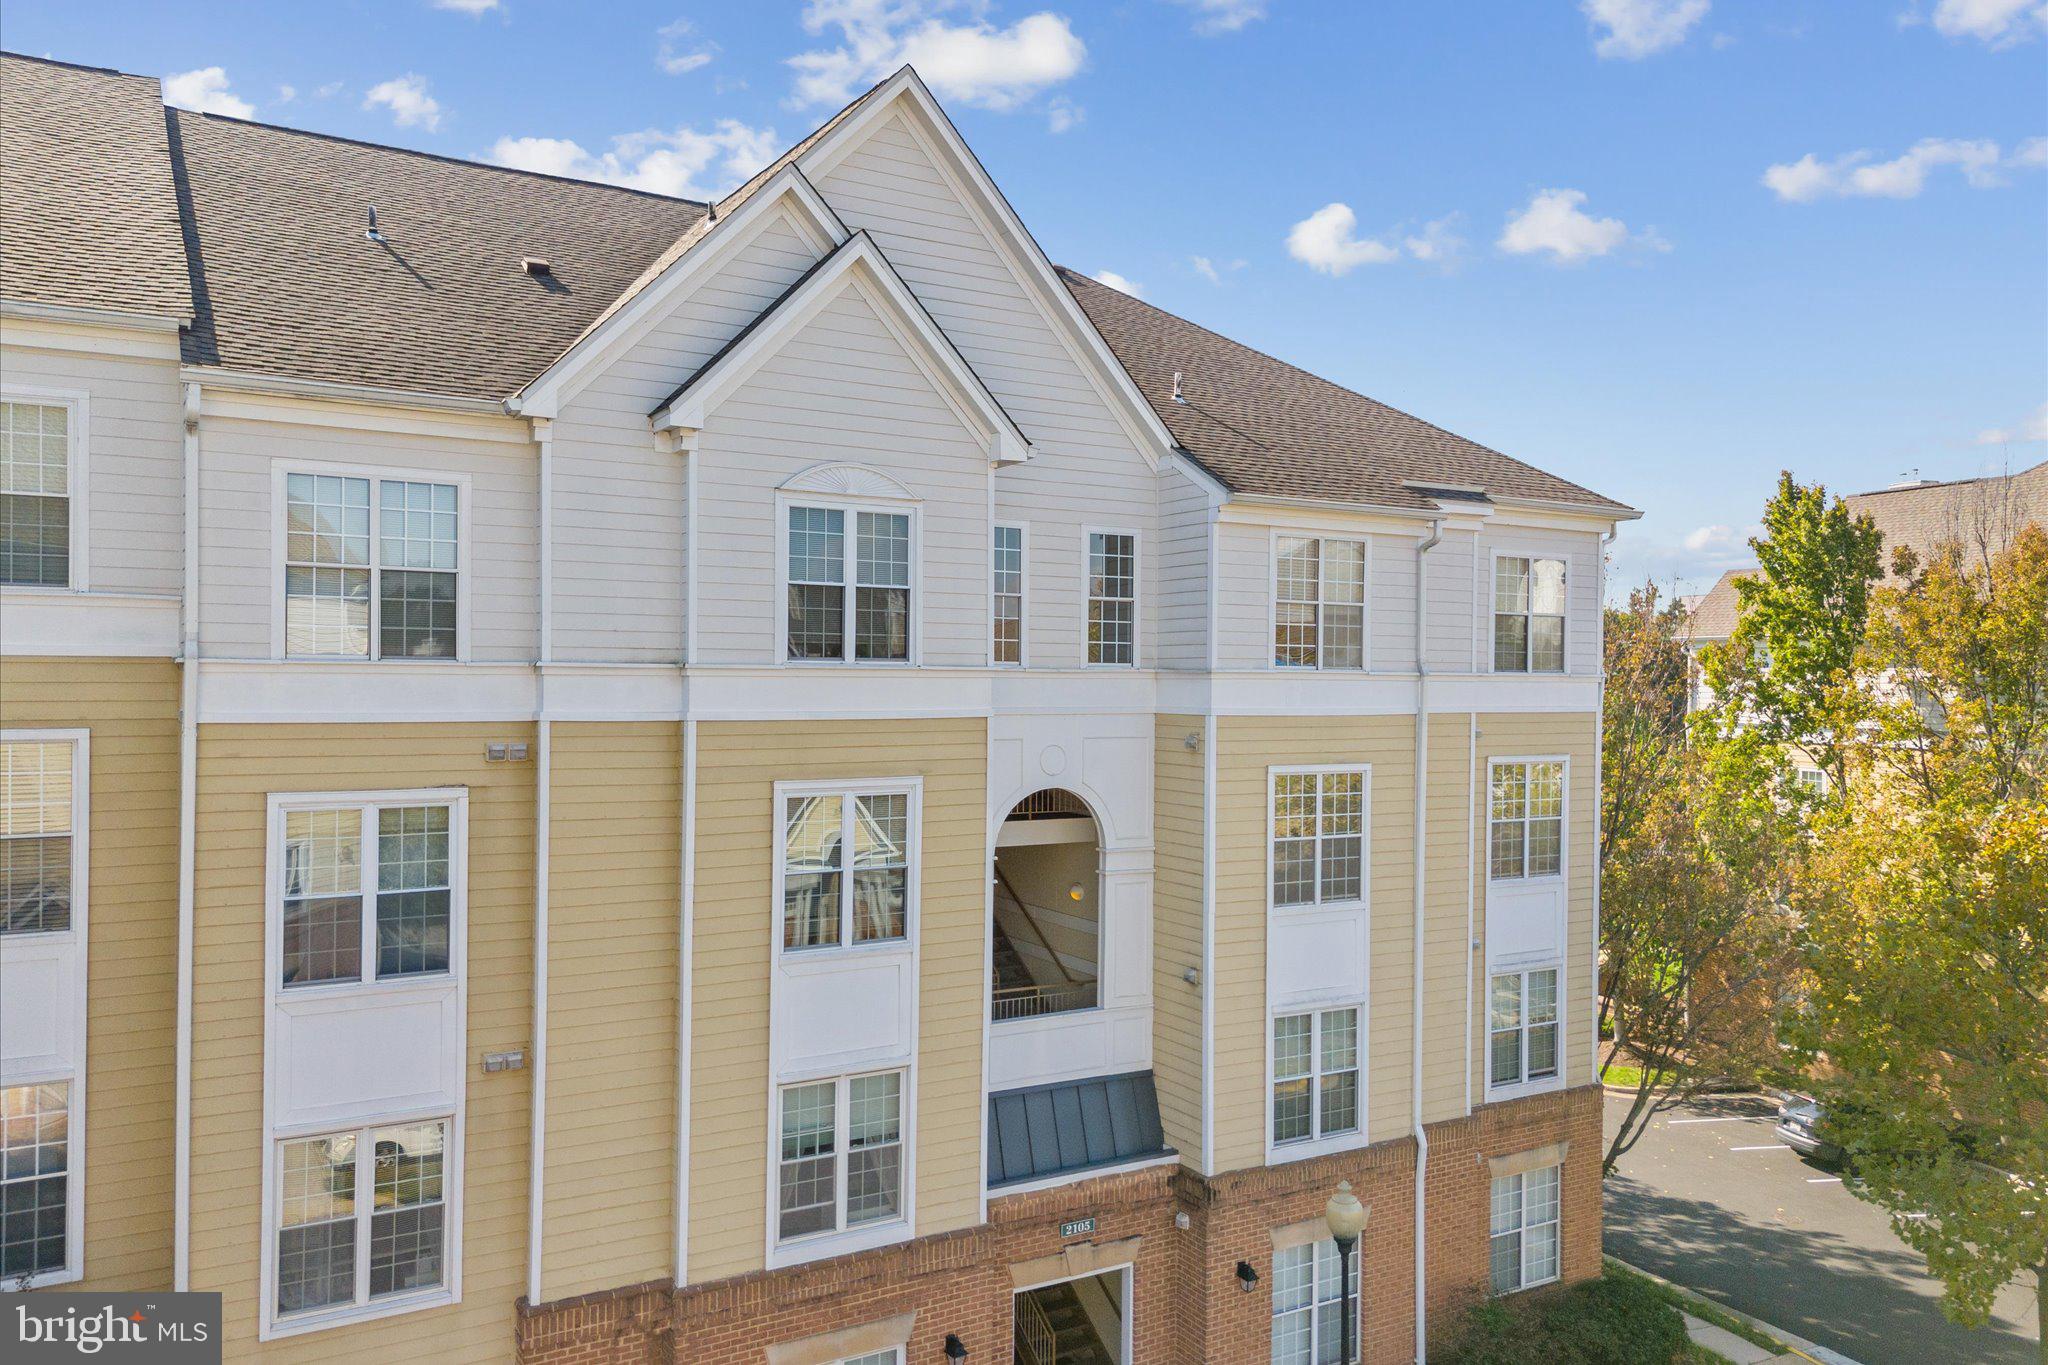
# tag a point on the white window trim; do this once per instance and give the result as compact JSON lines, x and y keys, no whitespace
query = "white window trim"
{"x":1364,"y":541}
{"x":76,"y":938}
{"x":912,"y":787}
{"x":1524,"y":1281}
{"x":1564,"y":844}
{"x":1495,"y":555}
{"x":1510,"y":1090}
{"x":1364,"y":900}
{"x":849,"y":504}
{"x":273,"y":1326}
{"x":820,"y":1246}
{"x":1023,"y":530}
{"x":465,"y":538}
{"x":1280,"y":1153}
{"x":1315,"y":1317}
{"x":1128,"y":1270}
{"x":77,"y":480}
{"x":1088,"y":533}
{"x":454,"y":981}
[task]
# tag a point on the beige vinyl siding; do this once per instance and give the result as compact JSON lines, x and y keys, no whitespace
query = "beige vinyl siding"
{"x":1182,"y":591}
{"x":841,"y":389}
{"x":1573,"y":735}
{"x":614,"y":912}
{"x":1449,"y":838}
{"x":241,"y":580}
{"x":1246,"y":747}
{"x":135,"y":457}
{"x":735,"y":920}
{"x":620,"y":533}
{"x":1177,"y":934}
{"x":130,"y":706}
{"x":1085,"y":470}
{"x":239,"y":766}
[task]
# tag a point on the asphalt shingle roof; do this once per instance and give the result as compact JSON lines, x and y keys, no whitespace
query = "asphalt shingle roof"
{"x":88,"y":215}
{"x":1986,"y":510}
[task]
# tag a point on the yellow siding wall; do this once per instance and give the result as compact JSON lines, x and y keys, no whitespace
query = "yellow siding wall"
{"x":614,"y":917}
{"x":737,"y":766}
{"x":1536,"y":735}
{"x":239,"y":765}
{"x":1246,"y":746}
{"x":131,"y":708}
{"x":1177,"y":933}
{"x":1454,"y":823}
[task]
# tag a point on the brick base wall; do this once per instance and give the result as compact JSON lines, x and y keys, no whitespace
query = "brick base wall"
{"x":1189,"y":1306}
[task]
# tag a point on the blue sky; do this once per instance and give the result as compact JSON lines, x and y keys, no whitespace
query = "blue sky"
{"x":1662,"y":247}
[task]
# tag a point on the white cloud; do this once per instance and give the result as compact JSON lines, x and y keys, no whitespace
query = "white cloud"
{"x":1223,"y":16}
{"x":686,"y":163}
{"x":1328,"y":241}
{"x":1553,"y":222}
{"x":677,"y":52}
{"x":1214,"y":270}
{"x":1063,"y":114}
{"x":1709,"y":537}
{"x":2034,"y":428}
{"x":1437,"y":242}
{"x":1634,"y":29}
{"x":205,"y":91}
{"x":974,"y":62}
{"x":1998,"y":22}
{"x":1119,"y":283}
{"x":328,"y":91}
{"x":407,"y":98}
{"x":286,"y":94}
{"x":473,"y":8}
{"x":1856,"y":175}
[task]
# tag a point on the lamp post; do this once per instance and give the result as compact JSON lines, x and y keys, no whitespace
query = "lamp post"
{"x":1346,"y":1218}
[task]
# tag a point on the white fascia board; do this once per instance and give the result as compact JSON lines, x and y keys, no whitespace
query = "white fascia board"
{"x":1091,"y":353}
{"x":859,"y":262}
{"x":788,"y":187}
{"x":1212,"y":486}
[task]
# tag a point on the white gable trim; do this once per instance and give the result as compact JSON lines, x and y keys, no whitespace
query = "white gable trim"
{"x":857,"y":265}
{"x":956,"y":161}
{"x":787,"y":190}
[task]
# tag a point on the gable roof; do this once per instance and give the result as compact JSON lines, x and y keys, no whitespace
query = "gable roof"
{"x":89,"y":212}
{"x":291,"y":286}
{"x":1711,"y":615}
{"x":1265,"y":428}
{"x":1920,"y":516}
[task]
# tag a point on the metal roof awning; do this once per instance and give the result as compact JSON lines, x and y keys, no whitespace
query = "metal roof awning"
{"x":1048,"y":1130}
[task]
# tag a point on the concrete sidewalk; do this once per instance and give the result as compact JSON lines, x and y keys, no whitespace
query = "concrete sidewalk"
{"x":1742,"y":1351}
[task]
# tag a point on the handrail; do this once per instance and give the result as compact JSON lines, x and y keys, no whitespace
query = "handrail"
{"x":1035,"y":1339}
{"x":1003,"y":879}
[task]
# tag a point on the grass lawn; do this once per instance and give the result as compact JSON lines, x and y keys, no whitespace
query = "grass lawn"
{"x":1622,"y":1074}
{"x":1704,"y":1310}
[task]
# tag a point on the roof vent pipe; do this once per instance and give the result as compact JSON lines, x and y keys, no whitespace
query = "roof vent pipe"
{"x":1177,"y":395}
{"x":371,"y":232}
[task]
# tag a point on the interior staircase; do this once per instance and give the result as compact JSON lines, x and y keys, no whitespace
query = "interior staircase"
{"x":1074,"y":1335}
{"x":1009,"y":963}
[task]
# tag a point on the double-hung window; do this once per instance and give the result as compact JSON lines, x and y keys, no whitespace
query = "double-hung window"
{"x":367,"y":894}
{"x":1528,"y":615}
{"x":841,"y":1154}
{"x":1006,"y":603}
{"x":1315,"y":1075}
{"x":370,"y":567}
{"x":42,"y":924}
{"x":1525,"y":822}
{"x":1112,"y":597}
{"x":1319,"y":837}
{"x":1318,"y":603}
{"x":1522,"y":1027}
{"x":1308,"y":1303}
{"x":826,"y":621}
{"x":36,"y":479}
{"x":361,"y":1217}
{"x":846,"y":859}
{"x":1524,"y":1243}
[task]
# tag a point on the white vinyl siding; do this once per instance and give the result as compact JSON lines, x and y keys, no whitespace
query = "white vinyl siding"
{"x":1524,"y":1229}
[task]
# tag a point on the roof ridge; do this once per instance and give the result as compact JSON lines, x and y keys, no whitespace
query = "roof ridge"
{"x":1928,"y":485}
{"x":79,"y":66}
{"x":442,"y":157}
{"x":1327,"y":382}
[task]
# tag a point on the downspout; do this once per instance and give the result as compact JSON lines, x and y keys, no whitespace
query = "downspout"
{"x":1599,"y":761}
{"x":543,"y":433}
{"x":188,"y":831}
{"x":687,"y":877}
{"x":1436,"y":535}
{"x":1209,"y":861}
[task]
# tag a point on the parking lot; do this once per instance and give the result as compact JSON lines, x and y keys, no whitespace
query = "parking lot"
{"x":1710,"y":1199}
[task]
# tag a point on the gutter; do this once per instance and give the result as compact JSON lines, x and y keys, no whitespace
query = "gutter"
{"x":94,"y":317}
{"x":1436,"y":535}
{"x":188,"y":829}
{"x":543,"y":433}
{"x":241,"y":381}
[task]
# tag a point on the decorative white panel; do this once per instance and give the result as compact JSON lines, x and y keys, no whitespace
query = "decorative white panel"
{"x":844,"y":1011}
{"x":339,"y":1057}
{"x":1065,"y":1047}
{"x":1126,"y":967}
{"x":39,"y":982}
{"x":847,"y":480}
{"x":1524,"y":922}
{"x":1316,"y":955}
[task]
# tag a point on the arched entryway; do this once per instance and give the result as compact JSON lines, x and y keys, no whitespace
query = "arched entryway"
{"x":1047,"y":908}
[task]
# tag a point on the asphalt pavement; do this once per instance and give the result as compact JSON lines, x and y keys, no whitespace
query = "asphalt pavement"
{"x":1710,"y":1199}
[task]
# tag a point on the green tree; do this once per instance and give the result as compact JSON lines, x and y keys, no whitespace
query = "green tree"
{"x":1799,"y":624}
{"x":1924,"y":911}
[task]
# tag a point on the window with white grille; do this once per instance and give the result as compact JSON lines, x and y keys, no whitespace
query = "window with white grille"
{"x":361,"y":1218}
{"x":371,"y":567}
{"x":367,"y":892}
{"x":36,"y":485}
{"x":1112,"y":597}
{"x":1315,"y":1075}
{"x":845,"y":863}
{"x":1525,"y":1242}
{"x":1308,"y":1303}
{"x":1007,"y":596}
{"x":1319,"y":603}
{"x":37,"y":1161}
{"x":1528,"y":615}
{"x":848,"y":585}
{"x":1522,"y":1027}
{"x":841,"y":1154}
{"x":1525,"y":820}
{"x":1318,"y":837}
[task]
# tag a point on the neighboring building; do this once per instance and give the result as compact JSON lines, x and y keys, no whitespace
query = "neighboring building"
{"x":770,"y":781}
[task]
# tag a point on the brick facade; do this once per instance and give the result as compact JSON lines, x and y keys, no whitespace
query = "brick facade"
{"x":1189,"y":1306}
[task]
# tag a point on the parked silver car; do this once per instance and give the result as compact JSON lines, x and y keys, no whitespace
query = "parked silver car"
{"x":1799,"y":1127}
